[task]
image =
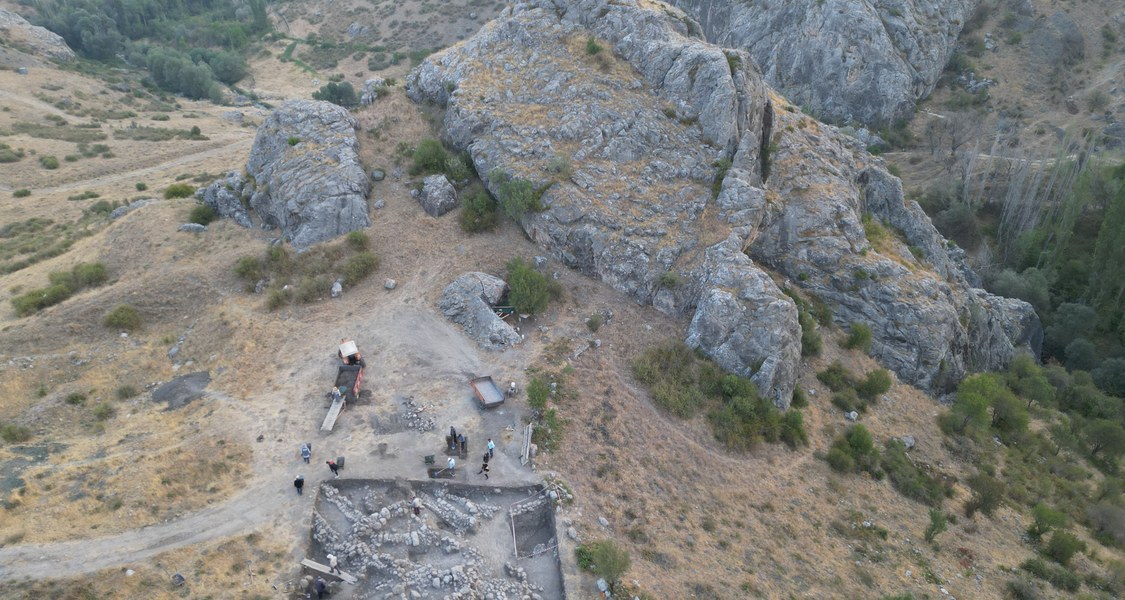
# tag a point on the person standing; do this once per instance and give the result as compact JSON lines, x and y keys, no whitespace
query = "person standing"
{"x":452,"y":438}
{"x":484,"y":466}
{"x":452,"y":463}
{"x":417,"y":504}
{"x":299,"y":483}
{"x":333,"y":563}
{"x":306,"y":452}
{"x":463,"y":442}
{"x":491,"y":448}
{"x":332,"y":465}
{"x":321,"y":588}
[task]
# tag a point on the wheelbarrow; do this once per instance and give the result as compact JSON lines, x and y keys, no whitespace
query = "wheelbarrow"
{"x":428,"y":459}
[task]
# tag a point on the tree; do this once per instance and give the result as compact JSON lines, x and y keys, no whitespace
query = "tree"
{"x":1070,"y":321}
{"x":1027,"y":380}
{"x":1105,"y":436}
{"x":1110,"y":376}
{"x":937,"y":524}
{"x":1008,"y":413}
{"x":988,"y":493}
{"x":1081,"y":355}
{"x":1063,"y":545}
{"x":970,"y":409}
{"x":859,"y":337}
{"x":1045,"y":519}
{"x":529,"y":289}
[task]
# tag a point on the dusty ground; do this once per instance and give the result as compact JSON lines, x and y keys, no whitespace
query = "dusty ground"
{"x":206,"y":490}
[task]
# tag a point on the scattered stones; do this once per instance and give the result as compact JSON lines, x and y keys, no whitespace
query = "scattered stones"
{"x":390,"y":284}
{"x":121,"y":211}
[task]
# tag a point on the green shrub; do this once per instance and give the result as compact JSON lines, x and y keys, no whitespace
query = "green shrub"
{"x":909,"y":480}
{"x":594,"y":323}
{"x":358,"y":240}
{"x":811,"y":342}
{"x":537,"y":391}
{"x":793,"y":428}
{"x":178,"y":190}
{"x":1044,"y":519}
{"x":89,"y":274}
{"x":529,"y":291}
{"x":848,"y":400}
{"x":669,"y":279}
{"x":141,"y":186}
{"x":1062,"y":546}
{"x":858,"y":447}
{"x":988,"y":493}
{"x":359,"y":267}
{"x":592,"y":46}
{"x":125,"y":392}
{"x":202,"y":214}
{"x":341,"y":94}
{"x":311,"y":289}
{"x":859,"y":336}
{"x":800,"y":399}
{"x":14,"y":434}
{"x":559,"y":164}
{"x":123,"y":316}
{"x":937,"y":525}
{"x":876,"y":382}
{"x":294,"y":140}
{"x":250,"y":270}
{"x":49,"y":162}
{"x":836,"y":377}
{"x":1058,"y":576}
{"x":516,"y":196}
{"x":278,"y":297}
{"x":21,"y":193}
{"x":456,"y":170}
{"x":429,"y":157}
{"x":478,"y":213}
{"x":604,"y":559}
{"x":104,"y":411}
{"x":7,"y":155}
{"x":75,"y":398}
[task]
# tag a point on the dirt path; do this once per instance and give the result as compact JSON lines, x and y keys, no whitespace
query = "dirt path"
{"x":137,"y":174}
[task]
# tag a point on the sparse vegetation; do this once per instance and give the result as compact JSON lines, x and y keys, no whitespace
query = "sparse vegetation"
{"x":604,"y":559}
{"x":63,"y":284}
{"x":341,"y":94}
{"x":859,"y":337}
{"x":14,"y":434}
{"x":429,"y":157}
{"x":685,"y":385}
{"x":158,"y":134}
{"x":308,"y":277}
{"x":21,"y":193}
{"x":49,"y":162}
{"x":517,"y":197}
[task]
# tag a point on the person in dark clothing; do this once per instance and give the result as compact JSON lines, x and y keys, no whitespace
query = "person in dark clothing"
{"x":463,"y":442}
{"x":299,"y":483}
{"x":484,"y":466}
{"x":321,"y":588}
{"x":452,"y":438}
{"x":332,"y":465}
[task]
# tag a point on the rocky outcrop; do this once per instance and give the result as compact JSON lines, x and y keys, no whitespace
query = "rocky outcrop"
{"x":844,"y":60}
{"x":644,"y":116}
{"x":468,"y":301}
{"x":229,"y":197}
{"x":303,"y":176}
{"x":437,"y":195}
{"x":17,"y":32}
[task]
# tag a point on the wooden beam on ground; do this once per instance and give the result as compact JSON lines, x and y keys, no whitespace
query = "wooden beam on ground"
{"x":333,"y":413}
{"x":328,"y":571}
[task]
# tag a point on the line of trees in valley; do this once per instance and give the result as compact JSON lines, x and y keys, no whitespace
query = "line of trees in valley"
{"x":188,"y":46}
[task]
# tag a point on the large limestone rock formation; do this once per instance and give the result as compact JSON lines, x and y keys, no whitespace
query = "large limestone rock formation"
{"x":644,"y":126}
{"x":17,"y":32}
{"x":304,"y":176}
{"x":862,"y":60}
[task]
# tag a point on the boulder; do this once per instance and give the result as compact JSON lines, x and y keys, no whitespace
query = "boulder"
{"x":35,"y":40}
{"x":313,"y":190}
{"x":856,"y":60}
{"x":228,"y":197}
{"x":437,"y":196}
{"x":192,"y":228}
{"x":183,"y":389}
{"x":372,"y":90}
{"x":468,"y":301}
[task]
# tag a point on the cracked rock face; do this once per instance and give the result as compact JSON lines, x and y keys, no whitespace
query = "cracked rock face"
{"x":844,"y":60}
{"x":303,"y":176}
{"x":624,"y":118}
{"x":468,"y":301}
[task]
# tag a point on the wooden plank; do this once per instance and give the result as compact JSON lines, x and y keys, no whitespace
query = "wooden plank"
{"x":328,"y":571}
{"x":333,"y":413}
